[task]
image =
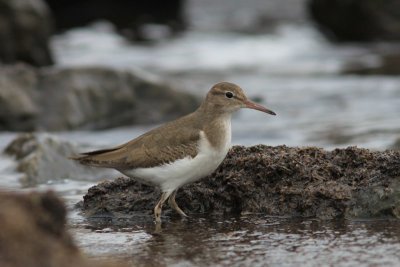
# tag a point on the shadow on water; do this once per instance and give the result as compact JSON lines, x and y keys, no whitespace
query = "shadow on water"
{"x":256,"y":240}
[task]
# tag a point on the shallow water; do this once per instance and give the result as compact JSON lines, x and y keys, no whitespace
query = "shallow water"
{"x":252,"y":240}
{"x":294,"y":71}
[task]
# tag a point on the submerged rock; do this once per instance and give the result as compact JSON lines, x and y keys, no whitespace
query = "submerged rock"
{"x":84,"y":98}
{"x":278,"y":181}
{"x":33,"y":233}
{"x":44,"y":158}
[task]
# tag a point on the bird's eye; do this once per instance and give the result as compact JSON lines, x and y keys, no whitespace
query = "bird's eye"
{"x":229,"y":94}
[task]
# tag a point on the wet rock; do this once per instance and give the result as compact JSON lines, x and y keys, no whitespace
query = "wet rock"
{"x":278,"y":181}
{"x":128,"y":16}
{"x":84,"y":98}
{"x":43,"y":158}
{"x":33,"y":233}
{"x":359,"y":20}
{"x":25,"y":29}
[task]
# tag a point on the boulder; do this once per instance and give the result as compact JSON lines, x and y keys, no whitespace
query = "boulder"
{"x":25,"y":29}
{"x":43,"y":158}
{"x":84,"y":98}
{"x":98,"y":98}
{"x":357,"y":20}
{"x":128,"y":16}
{"x":34,"y":233}
{"x":277,"y":181}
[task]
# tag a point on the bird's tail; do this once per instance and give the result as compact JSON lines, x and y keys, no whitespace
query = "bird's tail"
{"x":99,"y":158}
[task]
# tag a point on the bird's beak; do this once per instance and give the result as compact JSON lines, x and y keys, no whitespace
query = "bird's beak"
{"x":252,"y":105}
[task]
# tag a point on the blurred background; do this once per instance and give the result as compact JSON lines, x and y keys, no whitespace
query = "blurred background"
{"x":329,"y":68}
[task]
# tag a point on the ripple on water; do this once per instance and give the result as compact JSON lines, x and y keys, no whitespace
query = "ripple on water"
{"x":252,"y":240}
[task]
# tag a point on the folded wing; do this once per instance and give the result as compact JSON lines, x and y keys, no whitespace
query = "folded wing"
{"x":154,"y":148}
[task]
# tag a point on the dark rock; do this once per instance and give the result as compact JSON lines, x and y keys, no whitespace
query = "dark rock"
{"x":43,"y":158}
{"x":278,"y":181}
{"x":128,"y":16}
{"x":84,"y":98}
{"x":25,"y":29}
{"x":33,"y":233}
{"x":357,"y":20}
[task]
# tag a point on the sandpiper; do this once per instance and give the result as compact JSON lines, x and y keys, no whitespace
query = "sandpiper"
{"x":181,"y":151}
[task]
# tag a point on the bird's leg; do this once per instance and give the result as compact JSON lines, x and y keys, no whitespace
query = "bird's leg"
{"x":172,"y":203}
{"x":158,"y":207}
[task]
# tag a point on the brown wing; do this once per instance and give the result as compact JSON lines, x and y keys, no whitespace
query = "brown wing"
{"x":162,"y":145}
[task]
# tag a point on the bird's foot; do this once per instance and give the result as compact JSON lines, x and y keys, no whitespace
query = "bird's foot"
{"x":157,"y":214}
{"x":172,"y":203}
{"x":158,"y":207}
{"x":180,"y":211}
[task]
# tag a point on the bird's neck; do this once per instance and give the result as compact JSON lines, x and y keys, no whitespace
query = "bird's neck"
{"x":213,"y":114}
{"x":213,"y":109}
{"x":216,"y":125}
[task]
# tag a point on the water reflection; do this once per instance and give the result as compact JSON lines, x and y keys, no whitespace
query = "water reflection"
{"x":256,"y":240}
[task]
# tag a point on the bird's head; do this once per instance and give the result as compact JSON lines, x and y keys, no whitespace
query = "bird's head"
{"x":229,"y":97}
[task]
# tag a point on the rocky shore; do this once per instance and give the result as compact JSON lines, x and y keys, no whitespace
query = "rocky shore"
{"x":33,"y":233}
{"x":277,"y":181}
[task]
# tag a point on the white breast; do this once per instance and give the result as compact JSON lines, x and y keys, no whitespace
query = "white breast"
{"x":173,"y":175}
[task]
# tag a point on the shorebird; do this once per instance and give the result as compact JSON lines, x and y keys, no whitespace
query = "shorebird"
{"x":181,"y":151}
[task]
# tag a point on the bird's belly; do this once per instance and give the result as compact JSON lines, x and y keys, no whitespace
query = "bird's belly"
{"x":173,"y":175}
